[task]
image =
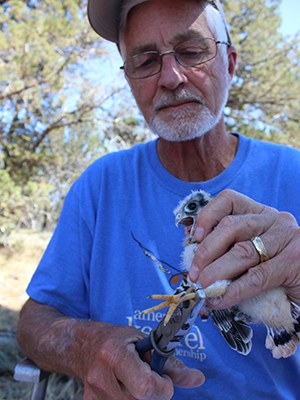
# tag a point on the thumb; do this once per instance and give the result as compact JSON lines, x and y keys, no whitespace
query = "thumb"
{"x":181,"y":375}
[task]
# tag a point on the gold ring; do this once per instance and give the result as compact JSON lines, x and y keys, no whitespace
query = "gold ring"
{"x":260,"y":248}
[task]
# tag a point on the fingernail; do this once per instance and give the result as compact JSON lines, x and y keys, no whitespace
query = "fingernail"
{"x":199,"y":234}
{"x":215,"y":301}
{"x":193,"y":273}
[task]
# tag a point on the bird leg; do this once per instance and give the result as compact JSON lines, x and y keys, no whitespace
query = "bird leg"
{"x":172,"y":301}
{"x":216,"y":289}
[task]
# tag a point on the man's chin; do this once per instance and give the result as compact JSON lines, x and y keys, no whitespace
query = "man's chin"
{"x":179,"y":137}
{"x":178,"y":130}
{"x":174,"y":133}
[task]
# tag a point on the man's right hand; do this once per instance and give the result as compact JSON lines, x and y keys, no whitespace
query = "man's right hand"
{"x":101,"y":354}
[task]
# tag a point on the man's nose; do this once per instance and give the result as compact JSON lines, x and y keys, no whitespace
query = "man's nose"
{"x":172,"y":74}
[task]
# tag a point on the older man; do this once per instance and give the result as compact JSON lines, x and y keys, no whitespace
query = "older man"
{"x":86,"y":298}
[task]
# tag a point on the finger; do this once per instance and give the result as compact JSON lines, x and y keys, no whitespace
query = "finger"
{"x":88,"y":394}
{"x":232,"y":236}
{"x":228,"y":202}
{"x":265,"y":276}
{"x":181,"y":375}
{"x":230,"y":265}
{"x":251,"y":284}
{"x":229,"y":238}
{"x":141,"y":381}
{"x":104,"y":385}
{"x":101,"y":379}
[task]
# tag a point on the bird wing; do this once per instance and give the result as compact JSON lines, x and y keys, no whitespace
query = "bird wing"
{"x":236,"y":333}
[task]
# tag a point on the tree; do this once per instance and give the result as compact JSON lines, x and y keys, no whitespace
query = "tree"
{"x":264,"y":100}
{"x":37,"y":49}
{"x":40,"y":46}
{"x":49,"y":106}
{"x":56,"y":116}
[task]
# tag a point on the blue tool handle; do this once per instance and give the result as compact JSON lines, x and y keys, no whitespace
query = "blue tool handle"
{"x":158,"y":362}
{"x":144,"y":345}
{"x":159,"y":357}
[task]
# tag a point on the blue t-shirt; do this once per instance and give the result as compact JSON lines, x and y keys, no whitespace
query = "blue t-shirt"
{"x":93,"y":267}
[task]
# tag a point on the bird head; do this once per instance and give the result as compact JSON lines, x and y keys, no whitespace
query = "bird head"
{"x":187,"y":210}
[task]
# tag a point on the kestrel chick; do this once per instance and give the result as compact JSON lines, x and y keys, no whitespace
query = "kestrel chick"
{"x":271,"y":308}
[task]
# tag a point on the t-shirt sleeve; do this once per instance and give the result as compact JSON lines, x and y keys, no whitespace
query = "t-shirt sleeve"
{"x":62,"y":279}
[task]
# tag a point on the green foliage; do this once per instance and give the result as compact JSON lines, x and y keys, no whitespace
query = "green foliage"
{"x":56,"y":116}
{"x":10,"y":196}
{"x":46,"y":106}
{"x":264,"y":100}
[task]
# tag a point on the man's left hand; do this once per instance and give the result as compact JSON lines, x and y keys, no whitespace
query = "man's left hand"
{"x":224,"y":231}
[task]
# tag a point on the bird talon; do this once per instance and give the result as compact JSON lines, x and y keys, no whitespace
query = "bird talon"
{"x":170,"y":300}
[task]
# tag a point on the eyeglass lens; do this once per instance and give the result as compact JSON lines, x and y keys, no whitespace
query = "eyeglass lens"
{"x":189,"y":53}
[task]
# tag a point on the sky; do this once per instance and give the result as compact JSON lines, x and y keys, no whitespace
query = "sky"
{"x":290,"y":11}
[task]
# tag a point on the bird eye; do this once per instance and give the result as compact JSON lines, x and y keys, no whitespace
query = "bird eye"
{"x":191,"y":207}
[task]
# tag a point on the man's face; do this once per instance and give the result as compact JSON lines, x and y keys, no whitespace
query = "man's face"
{"x":179,"y":103}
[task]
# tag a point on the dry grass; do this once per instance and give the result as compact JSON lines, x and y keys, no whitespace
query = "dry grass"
{"x":17,"y":264}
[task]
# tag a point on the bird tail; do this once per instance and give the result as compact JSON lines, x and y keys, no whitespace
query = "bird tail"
{"x":283,"y":343}
{"x":236,"y":333}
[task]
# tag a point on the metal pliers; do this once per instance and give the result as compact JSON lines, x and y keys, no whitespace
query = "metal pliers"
{"x":167,"y":336}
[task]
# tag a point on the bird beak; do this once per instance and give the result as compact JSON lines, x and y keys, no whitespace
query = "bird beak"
{"x":178,"y":218}
{"x":183,"y":220}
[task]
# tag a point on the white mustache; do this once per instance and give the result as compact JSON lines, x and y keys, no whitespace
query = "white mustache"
{"x":173,"y":99}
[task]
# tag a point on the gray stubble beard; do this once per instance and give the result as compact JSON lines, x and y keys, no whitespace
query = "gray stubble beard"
{"x":184,"y":124}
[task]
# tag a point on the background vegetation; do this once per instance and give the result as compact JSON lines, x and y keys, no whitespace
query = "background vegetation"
{"x":63,"y":104}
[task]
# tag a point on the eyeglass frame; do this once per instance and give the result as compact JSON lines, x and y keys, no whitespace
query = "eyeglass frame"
{"x":173,"y":51}
{"x":215,"y":5}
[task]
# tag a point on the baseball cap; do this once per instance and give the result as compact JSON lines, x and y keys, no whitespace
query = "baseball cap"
{"x":104,"y":16}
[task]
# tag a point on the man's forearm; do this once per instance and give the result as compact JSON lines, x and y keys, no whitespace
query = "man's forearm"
{"x":52,"y":340}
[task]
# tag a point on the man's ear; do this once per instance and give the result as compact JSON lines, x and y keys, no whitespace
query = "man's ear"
{"x":232,"y":61}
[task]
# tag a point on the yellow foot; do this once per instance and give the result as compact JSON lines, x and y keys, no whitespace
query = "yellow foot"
{"x":170,"y":300}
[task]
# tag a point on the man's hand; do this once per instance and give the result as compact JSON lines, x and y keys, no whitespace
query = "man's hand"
{"x":117,"y":372}
{"x":102,"y":355}
{"x":225,"y":228}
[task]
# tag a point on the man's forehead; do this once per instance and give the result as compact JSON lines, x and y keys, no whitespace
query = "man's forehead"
{"x":184,"y":18}
{"x":176,"y":6}
{"x":143,"y":33}
{"x":105,"y":16}
{"x":158,"y":14}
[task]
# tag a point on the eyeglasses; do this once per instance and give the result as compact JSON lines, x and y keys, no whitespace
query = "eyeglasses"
{"x":218,"y":7}
{"x":190,"y":53}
